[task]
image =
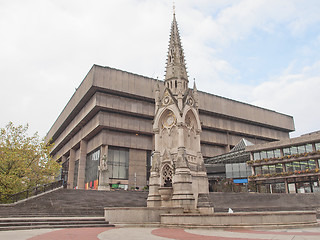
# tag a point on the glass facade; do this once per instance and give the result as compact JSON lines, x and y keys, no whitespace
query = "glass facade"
{"x":276,"y":153}
{"x":300,"y":176}
{"x":118,"y":163}
{"x":92,"y":173}
{"x":268,"y":169}
{"x":237,"y":170}
{"x":300,"y":165}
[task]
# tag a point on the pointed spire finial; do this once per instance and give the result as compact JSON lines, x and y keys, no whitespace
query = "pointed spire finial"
{"x":174,"y":8}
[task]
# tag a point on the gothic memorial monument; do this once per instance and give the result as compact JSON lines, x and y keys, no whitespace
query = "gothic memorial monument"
{"x":178,"y":175}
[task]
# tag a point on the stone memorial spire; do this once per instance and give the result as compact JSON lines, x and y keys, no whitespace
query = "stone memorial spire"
{"x":176,"y":78}
{"x":178,"y":177}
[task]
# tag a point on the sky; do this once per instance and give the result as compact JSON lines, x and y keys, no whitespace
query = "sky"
{"x":261,"y":52}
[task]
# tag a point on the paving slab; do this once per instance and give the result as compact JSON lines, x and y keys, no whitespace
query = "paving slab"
{"x":119,"y":233}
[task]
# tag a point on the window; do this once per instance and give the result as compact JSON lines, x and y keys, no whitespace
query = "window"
{"x":263,"y":154}
{"x":289,"y":167}
{"x":279,"y":168}
{"x":304,"y":165}
{"x":317,"y":146}
{"x":75,"y":176}
{"x":309,"y":148}
{"x":258,"y":170}
{"x":265,"y":169}
{"x":272,"y":168}
{"x":294,"y":150}
{"x":296,"y":166}
{"x":312,"y":164}
{"x":256,"y":156}
{"x":277,"y":153}
{"x":286,"y":151}
{"x":301,"y":149}
{"x":92,"y":163}
{"x":118,"y":160}
{"x":270,"y":154}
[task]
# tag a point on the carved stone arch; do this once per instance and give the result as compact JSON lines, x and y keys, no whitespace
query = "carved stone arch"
{"x":167,"y":119}
{"x":160,"y":115}
{"x":193,"y":114}
{"x":166,"y":175}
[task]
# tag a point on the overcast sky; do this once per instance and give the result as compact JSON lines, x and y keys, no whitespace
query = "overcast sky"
{"x":262,"y":52}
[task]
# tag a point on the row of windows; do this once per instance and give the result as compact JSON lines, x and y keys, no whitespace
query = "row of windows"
{"x":298,"y":149}
{"x":307,"y":148}
{"x":289,"y":167}
{"x":267,"y":154}
{"x":237,"y":170}
{"x":302,"y":165}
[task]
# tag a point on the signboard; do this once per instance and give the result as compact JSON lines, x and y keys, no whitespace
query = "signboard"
{"x":240,"y":180}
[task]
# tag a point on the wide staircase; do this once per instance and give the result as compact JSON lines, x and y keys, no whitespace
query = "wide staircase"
{"x":81,"y":208}
{"x":248,"y":202}
{"x":66,"y":208}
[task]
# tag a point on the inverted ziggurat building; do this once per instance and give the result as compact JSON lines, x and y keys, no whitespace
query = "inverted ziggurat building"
{"x":145,"y":132}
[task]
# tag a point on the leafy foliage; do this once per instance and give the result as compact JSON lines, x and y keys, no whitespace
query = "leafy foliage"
{"x":25,"y":161}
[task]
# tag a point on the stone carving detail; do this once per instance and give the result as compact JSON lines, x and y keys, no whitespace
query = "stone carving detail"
{"x":167,"y":175}
{"x":104,"y":164}
{"x":182,"y":162}
{"x":155,"y":163}
{"x":104,"y":178}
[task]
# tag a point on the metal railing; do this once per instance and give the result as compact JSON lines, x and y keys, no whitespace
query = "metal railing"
{"x":12,"y":198}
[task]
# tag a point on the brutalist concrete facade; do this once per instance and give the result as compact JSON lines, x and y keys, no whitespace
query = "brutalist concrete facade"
{"x":115,"y":109}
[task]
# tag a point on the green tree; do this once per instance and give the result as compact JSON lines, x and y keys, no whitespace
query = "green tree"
{"x":25,"y":161}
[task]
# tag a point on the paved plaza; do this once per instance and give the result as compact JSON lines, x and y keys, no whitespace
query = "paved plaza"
{"x":160,"y":233}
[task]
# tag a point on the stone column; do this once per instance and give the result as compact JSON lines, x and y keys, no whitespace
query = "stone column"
{"x":82,"y":164}
{"x":180,"y":136}
{"x":154,"y":198}
{"x":72,"y":159}
{"x":286,"y":185}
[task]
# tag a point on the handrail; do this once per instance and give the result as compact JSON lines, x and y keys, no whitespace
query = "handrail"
{"x":12,"y":198}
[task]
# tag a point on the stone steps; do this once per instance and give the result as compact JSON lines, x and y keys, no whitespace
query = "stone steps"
{"x":7,"y":224}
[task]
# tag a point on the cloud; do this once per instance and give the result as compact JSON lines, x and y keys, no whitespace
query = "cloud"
{"x":47,"y":48}
{"x":295,"y":94}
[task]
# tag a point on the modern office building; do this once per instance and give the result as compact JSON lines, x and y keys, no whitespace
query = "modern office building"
{"x":229,"y":172}
{"x":110,"y":117}
{"x":286,"y":166}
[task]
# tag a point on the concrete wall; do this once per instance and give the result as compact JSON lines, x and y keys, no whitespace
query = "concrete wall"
{"x":137,"y":168}
{"x":116,"y":108}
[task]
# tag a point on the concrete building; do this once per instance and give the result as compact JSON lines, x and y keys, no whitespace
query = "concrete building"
{"x":286,"y":166}
{"x":110,"y":117}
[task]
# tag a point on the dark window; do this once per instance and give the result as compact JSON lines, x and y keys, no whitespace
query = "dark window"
{"x":286,"y":151}
{"x":279,"y":168}
{"x":76,"y":170}
{"x":118,"y":161}
{"x":92,"y":163}
{"x":258,"y":170}
{"x":312,"y":164}
{"x":289,"y":167}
